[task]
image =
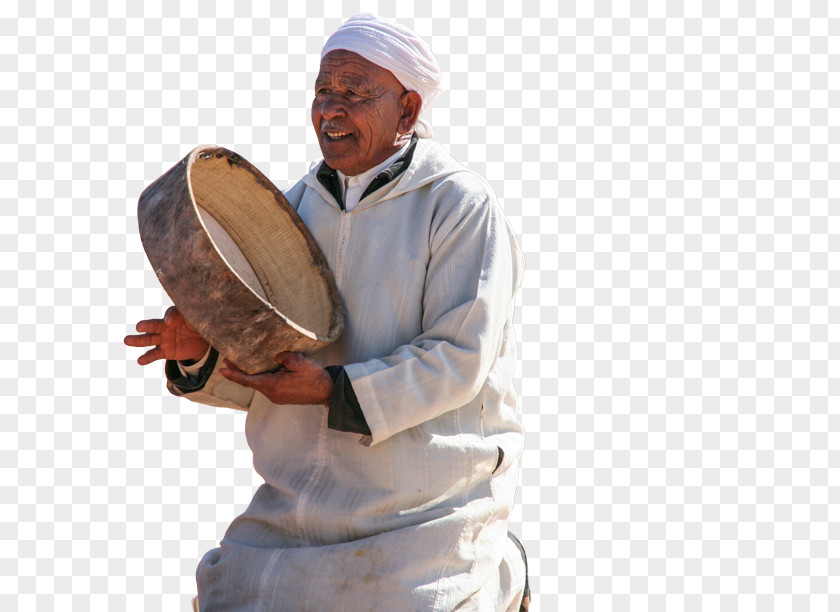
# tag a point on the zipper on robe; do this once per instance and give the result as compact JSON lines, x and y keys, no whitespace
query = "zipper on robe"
{"x":342,"y":248}
{"x":303,"y":514}
{"x":311,"y":486}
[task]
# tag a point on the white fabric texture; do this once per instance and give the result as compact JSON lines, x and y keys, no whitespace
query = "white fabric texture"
{"x":416,"y":519}
{"x":399,"y":50}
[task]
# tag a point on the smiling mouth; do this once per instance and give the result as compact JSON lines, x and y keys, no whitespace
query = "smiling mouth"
{"x":336,"y":135}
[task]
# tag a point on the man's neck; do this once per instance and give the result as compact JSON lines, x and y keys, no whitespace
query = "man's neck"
{"x":374,"y":170}
{"x":352,"y":187}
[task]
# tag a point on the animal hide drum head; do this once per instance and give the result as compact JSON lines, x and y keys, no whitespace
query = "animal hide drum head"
{"x":237,"y":260}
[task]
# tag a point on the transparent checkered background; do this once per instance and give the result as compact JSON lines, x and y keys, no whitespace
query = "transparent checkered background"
{"x":672,"y":171}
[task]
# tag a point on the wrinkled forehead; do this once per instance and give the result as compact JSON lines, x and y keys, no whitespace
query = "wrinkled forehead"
{"x":352,"y":68}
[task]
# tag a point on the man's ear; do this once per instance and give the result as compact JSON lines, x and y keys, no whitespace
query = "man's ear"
{"x":410,"y":105}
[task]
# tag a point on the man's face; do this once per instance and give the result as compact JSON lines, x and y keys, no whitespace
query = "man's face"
{"x":358,"y":111}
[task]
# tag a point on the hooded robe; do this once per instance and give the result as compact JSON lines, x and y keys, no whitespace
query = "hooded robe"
{"x":415,"y":515}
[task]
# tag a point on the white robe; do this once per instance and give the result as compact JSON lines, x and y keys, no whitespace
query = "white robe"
{"x":413,"y":517}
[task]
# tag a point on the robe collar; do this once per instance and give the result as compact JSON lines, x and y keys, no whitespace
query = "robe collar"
{"x":328,"y":177}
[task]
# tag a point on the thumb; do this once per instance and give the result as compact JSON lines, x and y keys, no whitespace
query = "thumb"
{"x":288,"y":359}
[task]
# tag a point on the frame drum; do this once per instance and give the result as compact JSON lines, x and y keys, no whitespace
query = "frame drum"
{"x":237,"y":260}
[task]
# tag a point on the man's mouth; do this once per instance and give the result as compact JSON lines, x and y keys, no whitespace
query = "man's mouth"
{"x":337,"y":135}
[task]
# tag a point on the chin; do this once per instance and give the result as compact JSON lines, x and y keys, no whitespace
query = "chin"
{"x":336,"y":160}
{"x":344,"y":164}
{"x":339,"y":164}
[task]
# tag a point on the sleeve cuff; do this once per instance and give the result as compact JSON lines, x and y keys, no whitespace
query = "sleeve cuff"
{"x":188,"y":382}
{"x":345,"y":413}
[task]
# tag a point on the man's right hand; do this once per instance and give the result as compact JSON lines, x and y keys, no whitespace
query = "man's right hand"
{"x":172,"y":338}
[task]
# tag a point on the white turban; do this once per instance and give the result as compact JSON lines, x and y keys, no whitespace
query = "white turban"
{"x":397,"y":49}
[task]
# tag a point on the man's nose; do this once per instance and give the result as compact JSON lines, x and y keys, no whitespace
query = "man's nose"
{"x":331,"y":106}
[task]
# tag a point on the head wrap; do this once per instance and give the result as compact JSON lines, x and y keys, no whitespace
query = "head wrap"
{"x":397,"y":49}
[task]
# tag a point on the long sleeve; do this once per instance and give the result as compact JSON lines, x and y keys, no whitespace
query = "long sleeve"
{"x":471,"y":279}
{"x":191,"y":380}
{"x":202,"y":383}
{"x":345,"y":414}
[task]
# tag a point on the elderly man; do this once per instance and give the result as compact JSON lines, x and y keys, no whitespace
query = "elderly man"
{"x":390,"y":473}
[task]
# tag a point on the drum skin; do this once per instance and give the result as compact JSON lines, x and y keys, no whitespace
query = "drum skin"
{"x":296,"y":306}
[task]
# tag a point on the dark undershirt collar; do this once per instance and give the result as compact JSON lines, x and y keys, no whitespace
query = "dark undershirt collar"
{"x":328,"y":177}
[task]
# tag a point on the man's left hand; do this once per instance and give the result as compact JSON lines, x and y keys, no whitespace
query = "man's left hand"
{"x":300,"y":380}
